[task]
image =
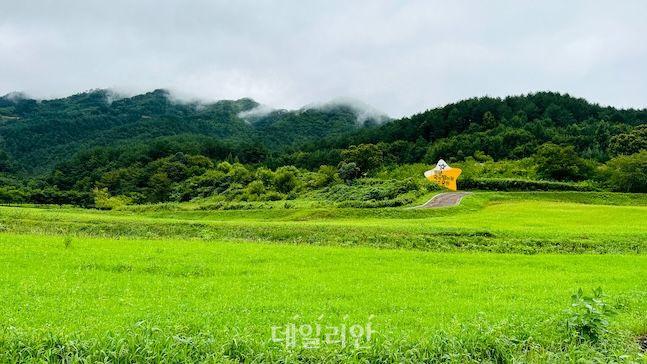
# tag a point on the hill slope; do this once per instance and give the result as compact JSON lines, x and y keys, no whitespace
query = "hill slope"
{"x":36,"y":135}
{"x":508,"y":128}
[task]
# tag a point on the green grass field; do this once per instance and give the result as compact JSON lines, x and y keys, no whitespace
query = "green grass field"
{"x":489,"y":280}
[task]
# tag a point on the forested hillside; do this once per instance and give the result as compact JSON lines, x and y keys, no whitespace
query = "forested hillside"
{"x":37,"y":135}
{"x":152,"y":148}
{"x":509,"y":128}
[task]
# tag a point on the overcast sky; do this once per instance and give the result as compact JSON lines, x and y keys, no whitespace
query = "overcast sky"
{"x":401,"y":57}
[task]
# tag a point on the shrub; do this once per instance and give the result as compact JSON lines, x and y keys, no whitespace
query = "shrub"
{"x":562,"y":163}
{"x":12,"y":194}
{"x":510,"y":184}
{"x":629,"y":143}
{"x":239,"y":173}
{"x":588,"y":317}
{"x":256,"y":188}
{"x":367,"y":189}
{"x":348,"y":171}
{"x":327,"y":175}
{"x":103,"y":200}
{"x":273,"y":196}
{"x":365,"y":156}
{"x":285,"y":179}
{"x":265,"y":175}
{"x":401,"y":201}
{"x":628,"y":173}
{"x":224,"y":167}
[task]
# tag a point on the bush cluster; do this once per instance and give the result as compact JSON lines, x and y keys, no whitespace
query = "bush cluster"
{"x":510,"y":184}
{"x":371,"y":189}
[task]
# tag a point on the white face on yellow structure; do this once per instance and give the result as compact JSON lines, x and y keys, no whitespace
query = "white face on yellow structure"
{"x":444,"y":175}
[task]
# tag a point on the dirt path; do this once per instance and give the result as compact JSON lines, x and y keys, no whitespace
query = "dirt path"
{"x":443,"y":200}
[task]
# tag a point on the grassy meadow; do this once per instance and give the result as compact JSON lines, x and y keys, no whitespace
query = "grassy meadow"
{"x":487,"y":281}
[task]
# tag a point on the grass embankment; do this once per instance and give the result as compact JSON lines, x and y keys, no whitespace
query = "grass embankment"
{"x":491,"y":222}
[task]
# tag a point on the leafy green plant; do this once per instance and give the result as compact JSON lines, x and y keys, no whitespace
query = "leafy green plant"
{"x":588,"y":317}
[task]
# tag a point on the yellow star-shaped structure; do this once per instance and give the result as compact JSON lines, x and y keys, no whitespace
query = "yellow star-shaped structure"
{"x":444,"y":175}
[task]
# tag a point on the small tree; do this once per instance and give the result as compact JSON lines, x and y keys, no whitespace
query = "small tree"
{"x":365,"y":156}
{"x":160,"y":187}
{"x":348,"y":171}
{"x":489,"y":121}
{"x":240,"y":174}
{"x":224,"y":166}
{"x":480,"y":156}
{"x":327,"y":176}
{"x":629,"y":172}
{"x":265,"y":175}
{"x":561,"y":163}
{"x":285,"y":179}
{"x":629,"y":143}
{"x":256,"y":188}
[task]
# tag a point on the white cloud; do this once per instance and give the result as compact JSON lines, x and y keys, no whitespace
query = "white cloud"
{"x":400,"y":57}
{"x":363,"y":111}
{"x":255,"y":113}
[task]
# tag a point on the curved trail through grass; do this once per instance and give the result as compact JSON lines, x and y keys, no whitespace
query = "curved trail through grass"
{"x":444,"y":200}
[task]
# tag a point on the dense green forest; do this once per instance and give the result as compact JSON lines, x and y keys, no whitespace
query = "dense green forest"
{"x":95,"y":148}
